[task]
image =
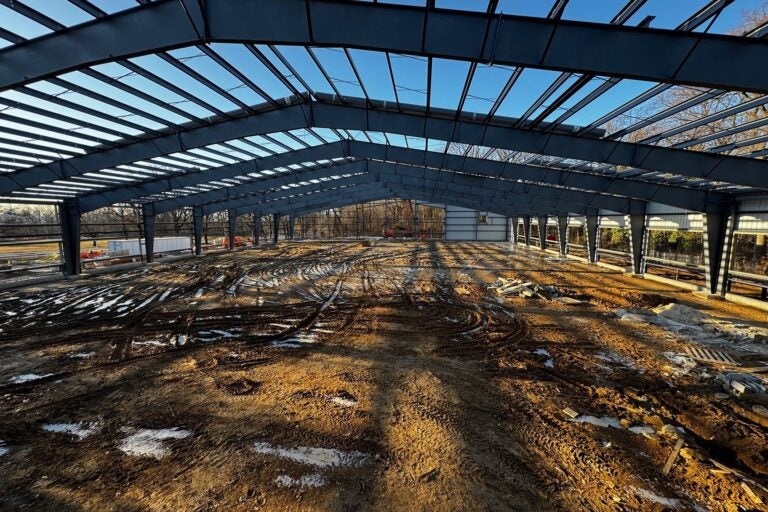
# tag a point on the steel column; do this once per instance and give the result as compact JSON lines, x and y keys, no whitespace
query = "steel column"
{"x":718,"y":245}
{"x":197,"y":229}
{"x":149,"y":233}
{"x":527,"y":229}
{"x":542,"y":223}
{"x":592,"y":232}
{"x":562,"y":233}
{"x":275,"y":227}
{"x":231,"y":227}
{"x":512,"y":230}
{"x":291,"y":226}
{"x":256,"y":227}
{"x":637,"y":239}
{"x":69,"y":219}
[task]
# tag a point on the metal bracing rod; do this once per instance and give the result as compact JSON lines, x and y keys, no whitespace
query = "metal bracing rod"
{"x":688,"y":58}
{"x":690,"y":199}
{"x":325,"y":113}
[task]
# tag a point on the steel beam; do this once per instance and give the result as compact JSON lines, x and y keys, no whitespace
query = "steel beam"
{"x":69,"y":219}
{"x":686,"y":58}
{"x":378,"y":116}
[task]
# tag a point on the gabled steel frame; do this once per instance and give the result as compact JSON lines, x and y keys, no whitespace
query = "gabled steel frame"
{"x":686,"y":58}
{"x":328,"y":112}
{"x":340,"y":153}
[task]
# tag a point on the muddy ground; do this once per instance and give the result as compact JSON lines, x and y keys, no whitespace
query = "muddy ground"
{"x":332,"y":376}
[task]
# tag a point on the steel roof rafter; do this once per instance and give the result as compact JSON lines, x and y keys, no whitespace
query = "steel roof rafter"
{"x":688,"y":58}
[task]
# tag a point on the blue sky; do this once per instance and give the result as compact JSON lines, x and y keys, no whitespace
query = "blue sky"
{"x":410,"y":72}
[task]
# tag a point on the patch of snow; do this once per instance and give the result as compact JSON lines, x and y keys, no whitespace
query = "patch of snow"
{"x":148,"y":442}
{"x":320,"y":457}
{"x":344,"y":402}
{"x":82,"y":355}
{"x":300,"y":340}
{"x":27,"y":377}
{"x":680,"y":313}
{"x":642,"y":429}
{"x":311,"y":480}
{"x":605,"y":421}
{"x":149,"y":343}
{"x":649,"y":496}
{"x":3,"y":449}
{"x":549,"y":363}
{"x":81,"y":430}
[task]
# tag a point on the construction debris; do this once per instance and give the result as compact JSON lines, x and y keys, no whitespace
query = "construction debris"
{"x":739,"y":384}
{"x":710,"y":356}
{"x":672,"y":457}
{"x":522,"y":288}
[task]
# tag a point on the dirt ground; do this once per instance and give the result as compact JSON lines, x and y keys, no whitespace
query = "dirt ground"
{"x":332,"y":376}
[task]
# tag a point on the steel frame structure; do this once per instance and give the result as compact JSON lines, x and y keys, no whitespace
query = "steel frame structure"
{"x":76,"y":132}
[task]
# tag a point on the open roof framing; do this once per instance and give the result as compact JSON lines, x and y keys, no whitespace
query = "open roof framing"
{"x":225,"y":102}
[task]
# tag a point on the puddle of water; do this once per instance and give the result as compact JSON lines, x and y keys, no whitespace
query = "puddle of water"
{"x":80,"y":430}
{"x":27,"y":377}
{"x":320,"y":457}
{"x":148,"y":442}
{"x":311,"y":480}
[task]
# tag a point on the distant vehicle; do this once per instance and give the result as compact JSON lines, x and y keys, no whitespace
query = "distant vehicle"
{"x":239,"y":241}
{"x":398,"y":232}
{"x":91,"y":254}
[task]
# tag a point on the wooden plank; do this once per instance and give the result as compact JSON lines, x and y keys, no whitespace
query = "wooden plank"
{"x":672,"y":457}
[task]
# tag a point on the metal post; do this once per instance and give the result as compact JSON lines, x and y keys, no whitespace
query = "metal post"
{"x":542,"y":221}
{"x":592,"y":225}
{"x":276,"y":227}
{"x":149,"y":232}
{"x":69,"y":219}
{"x":637,"y":236}
{"x":231,"y":227}
{"x":512,"y":230}
{"x":562,"y":233}
{"x":256,"y":227}
{"x":197,"y":229}
{"x":416,"y":221}
{"x":718,"y":245}
{"x":527,"y":229}
{"x":291,"y":226}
